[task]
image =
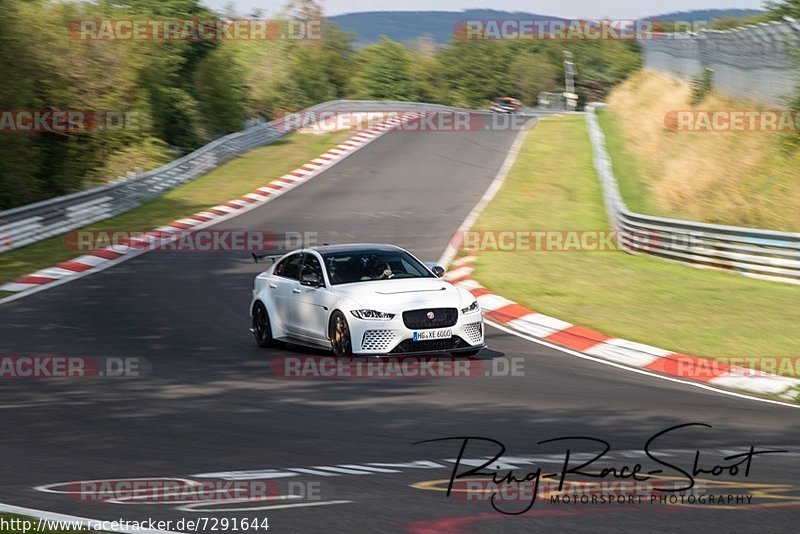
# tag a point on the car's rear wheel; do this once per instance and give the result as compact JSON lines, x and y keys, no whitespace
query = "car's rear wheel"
{"x":262,"y":330}
{"x":339,"y":332}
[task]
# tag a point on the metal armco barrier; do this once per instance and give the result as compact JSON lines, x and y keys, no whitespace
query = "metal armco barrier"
{"x":763,"y":254}
{"x":757,"y":62}
{"x":34,"y":222}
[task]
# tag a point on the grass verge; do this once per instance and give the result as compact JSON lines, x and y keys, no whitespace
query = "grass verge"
{"x":553,"y":186}
{"x":237,"y":177}
{"x":632,"y":185}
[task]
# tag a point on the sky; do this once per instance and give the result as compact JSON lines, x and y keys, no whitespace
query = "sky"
{"x":620,"y":9}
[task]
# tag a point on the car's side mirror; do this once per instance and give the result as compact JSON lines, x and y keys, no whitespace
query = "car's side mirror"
{"x":311,"y":279}
{"x":437,"y":269}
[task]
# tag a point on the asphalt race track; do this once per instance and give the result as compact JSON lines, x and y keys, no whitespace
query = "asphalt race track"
{"x":210,"y":403}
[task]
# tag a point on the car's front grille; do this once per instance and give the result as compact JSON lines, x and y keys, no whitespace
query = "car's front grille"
{"x":377,"y":340}
{"x":408,"y":345}
{"x":473,"y":332}
{"x":442,"y":318}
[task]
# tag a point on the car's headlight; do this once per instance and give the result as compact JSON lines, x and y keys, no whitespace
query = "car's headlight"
{"x":372,"y":314}
{"x":472,"y":308}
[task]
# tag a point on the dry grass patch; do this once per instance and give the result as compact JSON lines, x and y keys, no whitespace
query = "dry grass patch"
{"x":737,"y":178}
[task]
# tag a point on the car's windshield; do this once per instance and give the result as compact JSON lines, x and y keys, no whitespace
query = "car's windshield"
{"x":368,"y":265}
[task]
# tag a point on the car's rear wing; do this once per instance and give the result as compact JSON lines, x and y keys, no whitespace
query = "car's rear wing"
{"x":274,"y":255}
{"x":257,"y":258}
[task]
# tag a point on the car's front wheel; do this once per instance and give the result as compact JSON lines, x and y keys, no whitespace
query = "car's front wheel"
{"x":339,"y":332}
{"x":262,"y":330}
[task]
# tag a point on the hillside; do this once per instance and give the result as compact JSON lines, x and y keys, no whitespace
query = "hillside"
{"x":406,"y":26}
{"x":706,"y":14}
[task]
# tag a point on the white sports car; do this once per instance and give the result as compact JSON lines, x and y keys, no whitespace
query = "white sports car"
{"x":364,"y":299}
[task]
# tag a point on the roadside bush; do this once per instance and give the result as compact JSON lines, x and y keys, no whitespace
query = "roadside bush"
{"x":702,"y":85}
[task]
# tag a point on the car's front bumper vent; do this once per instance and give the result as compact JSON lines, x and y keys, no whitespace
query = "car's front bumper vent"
{"x":377,"y":340}
{"x":430,"y":345}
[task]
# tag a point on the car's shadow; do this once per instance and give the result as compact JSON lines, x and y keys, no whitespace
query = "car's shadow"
{"x":484,"y":354}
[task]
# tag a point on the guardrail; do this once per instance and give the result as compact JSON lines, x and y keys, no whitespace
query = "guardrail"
{"x":764,"y":254}
{"x":34,"y":222}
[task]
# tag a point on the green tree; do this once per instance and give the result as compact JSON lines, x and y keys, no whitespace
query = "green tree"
{"x":530,"y":75}
{"x":309,"y":81}
{"x":601,"y":65}
{"x":783,"y":8}
{"x":474,"y":72}
{"x":424,"y":72}
{"x":383,"y":72}
{"x":167,"y":68}
{"x":180,"y":91}
{"x":19,"y":180}
{"x":337,"y":55}
{"x":220,"y":92}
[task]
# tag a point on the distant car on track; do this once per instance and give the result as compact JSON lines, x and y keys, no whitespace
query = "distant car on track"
{"x":506,"y":105}
{"x":364,"y":299}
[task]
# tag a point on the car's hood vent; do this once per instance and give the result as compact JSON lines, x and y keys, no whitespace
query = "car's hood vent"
{"x":394,"y":294}
{"x":442,"y":288}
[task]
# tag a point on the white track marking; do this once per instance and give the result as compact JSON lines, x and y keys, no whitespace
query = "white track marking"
{"x":342,"y":470}
{"x":583,"y":356}
{"x":305,"y":471}
{"x":48,"y":488}
{"x":451,"y":251}
{"x":371,"y":469}
{"x":269,"y":507}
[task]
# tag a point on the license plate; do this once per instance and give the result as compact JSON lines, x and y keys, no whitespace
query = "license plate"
{"x":433,"y":334}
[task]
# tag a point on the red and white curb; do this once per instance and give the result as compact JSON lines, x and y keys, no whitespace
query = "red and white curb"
{"x":621,"y":351}
{"x":104,"y":258}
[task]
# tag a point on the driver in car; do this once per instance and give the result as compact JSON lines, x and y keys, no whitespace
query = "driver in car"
{"x":377,"y":269}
